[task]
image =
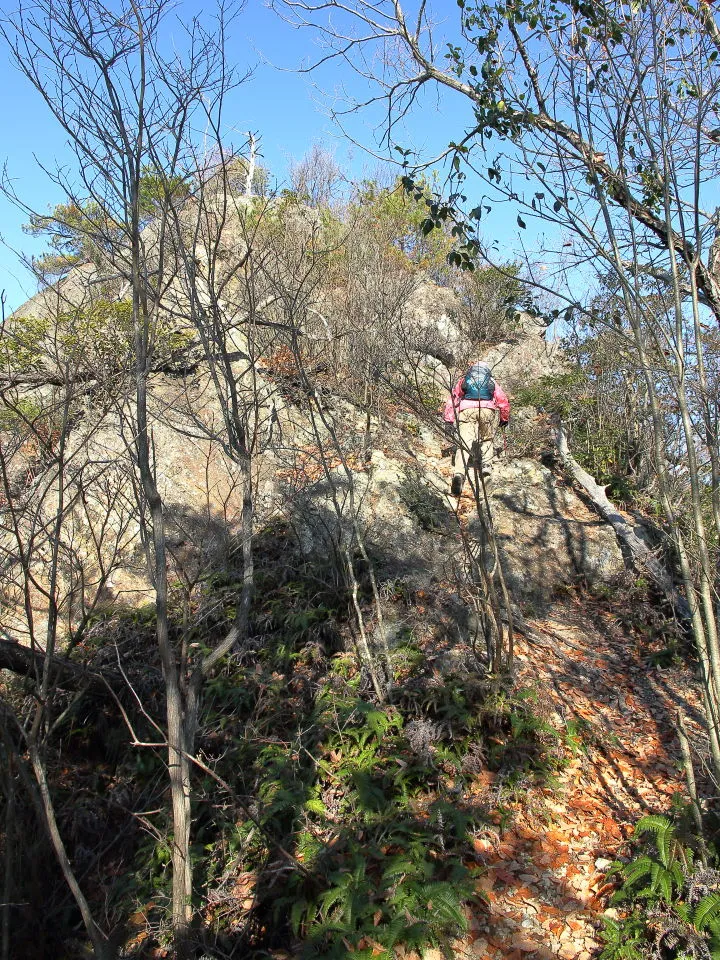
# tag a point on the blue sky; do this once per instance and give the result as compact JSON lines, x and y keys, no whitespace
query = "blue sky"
{"x":287,"y":109}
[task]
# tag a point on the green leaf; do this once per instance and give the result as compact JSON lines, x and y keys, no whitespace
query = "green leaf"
{"x":637,"y":869}
{"x":653,"y":823}
{"x":296,"y":916}
{"x":707,"y":911}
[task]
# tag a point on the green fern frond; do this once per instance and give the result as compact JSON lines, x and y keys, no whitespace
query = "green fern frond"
{"x":647,"y":893}
{"x":677,"y":874}
{"x":666,"y":844}
{"x":652,"y":823}
{"x":664,"y":885}
{"x":664,"y":832}
{"x":444,"y":905}
{"x":637,"y":869}
{"x":331,"y":898}
{"x":297,"y":916}
{"x":394,"y":932}
{"x":405,"y":866}
{"x":378,"y":721}
{"x":683,"y":911}
{"x":628,"y":951}
{"x":707,"y":911}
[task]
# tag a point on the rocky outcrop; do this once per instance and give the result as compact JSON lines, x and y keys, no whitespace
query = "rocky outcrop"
{"x":527,"y":357}
{"x":397,"y":501}
{"x":548,"y":537}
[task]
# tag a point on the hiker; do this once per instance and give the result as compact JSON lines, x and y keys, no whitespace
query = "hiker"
{"x":475,"y":409}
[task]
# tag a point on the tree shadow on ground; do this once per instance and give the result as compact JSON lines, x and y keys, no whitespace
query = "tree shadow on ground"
{"x":601,"y":668}
{"x":374,"y":801}
{"x":545,"y":544}
{"x":346,"y":820}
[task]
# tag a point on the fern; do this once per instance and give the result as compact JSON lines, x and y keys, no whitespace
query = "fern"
{"x":652,"y":823}
{"x":399,"y":867}
{"x":335,"y":896}
{"x":664,"y":878}
{"x":662,"y":882}
{"x":623,"y":940}
{"x":660,"y":885}
{"x":664,"y":833}
{"x":297,"y":916}
{"x":445,"y":905}
{"x":707,"y":912}
{"x":636,"y":870}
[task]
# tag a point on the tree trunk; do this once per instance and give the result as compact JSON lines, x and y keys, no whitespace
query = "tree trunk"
{"x":102,"y":947}
{"x":641,"y":557}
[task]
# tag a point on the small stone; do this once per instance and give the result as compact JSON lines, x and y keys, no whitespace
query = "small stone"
{"x":603,"y":864}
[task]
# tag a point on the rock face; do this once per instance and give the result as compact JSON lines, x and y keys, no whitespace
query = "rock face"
{"x":548,"y":537}
{"x":528,"y":357}
{"x":429,"y":314}
{"x":395,"y":498}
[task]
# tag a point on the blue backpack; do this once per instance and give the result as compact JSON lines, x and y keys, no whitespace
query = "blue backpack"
{"x":478,"y":383}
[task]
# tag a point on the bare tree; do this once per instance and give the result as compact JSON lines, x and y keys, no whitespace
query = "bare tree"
{"x":58,"y":506}
{"x":315,"y":178}
{"x":339,"y":449}
{"x":132,"y":111}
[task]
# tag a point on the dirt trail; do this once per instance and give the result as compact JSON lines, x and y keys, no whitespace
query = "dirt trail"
{"x":544,"y":884}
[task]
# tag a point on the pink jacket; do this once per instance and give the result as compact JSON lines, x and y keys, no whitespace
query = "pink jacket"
{"x":456,"y":402}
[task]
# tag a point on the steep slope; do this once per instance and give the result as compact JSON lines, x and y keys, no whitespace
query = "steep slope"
{"x":551,"y":773}
{"x":546,"y":887}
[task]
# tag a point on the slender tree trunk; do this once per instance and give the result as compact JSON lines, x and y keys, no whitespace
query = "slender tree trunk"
{"x":102,"y":947}
{"x":178,"y":764}
{"x":251,"y":166}
{"x":691,"y":785}
{"x":9,"y":853}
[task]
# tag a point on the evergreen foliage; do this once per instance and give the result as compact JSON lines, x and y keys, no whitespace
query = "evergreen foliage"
{"x":672,"y":902}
